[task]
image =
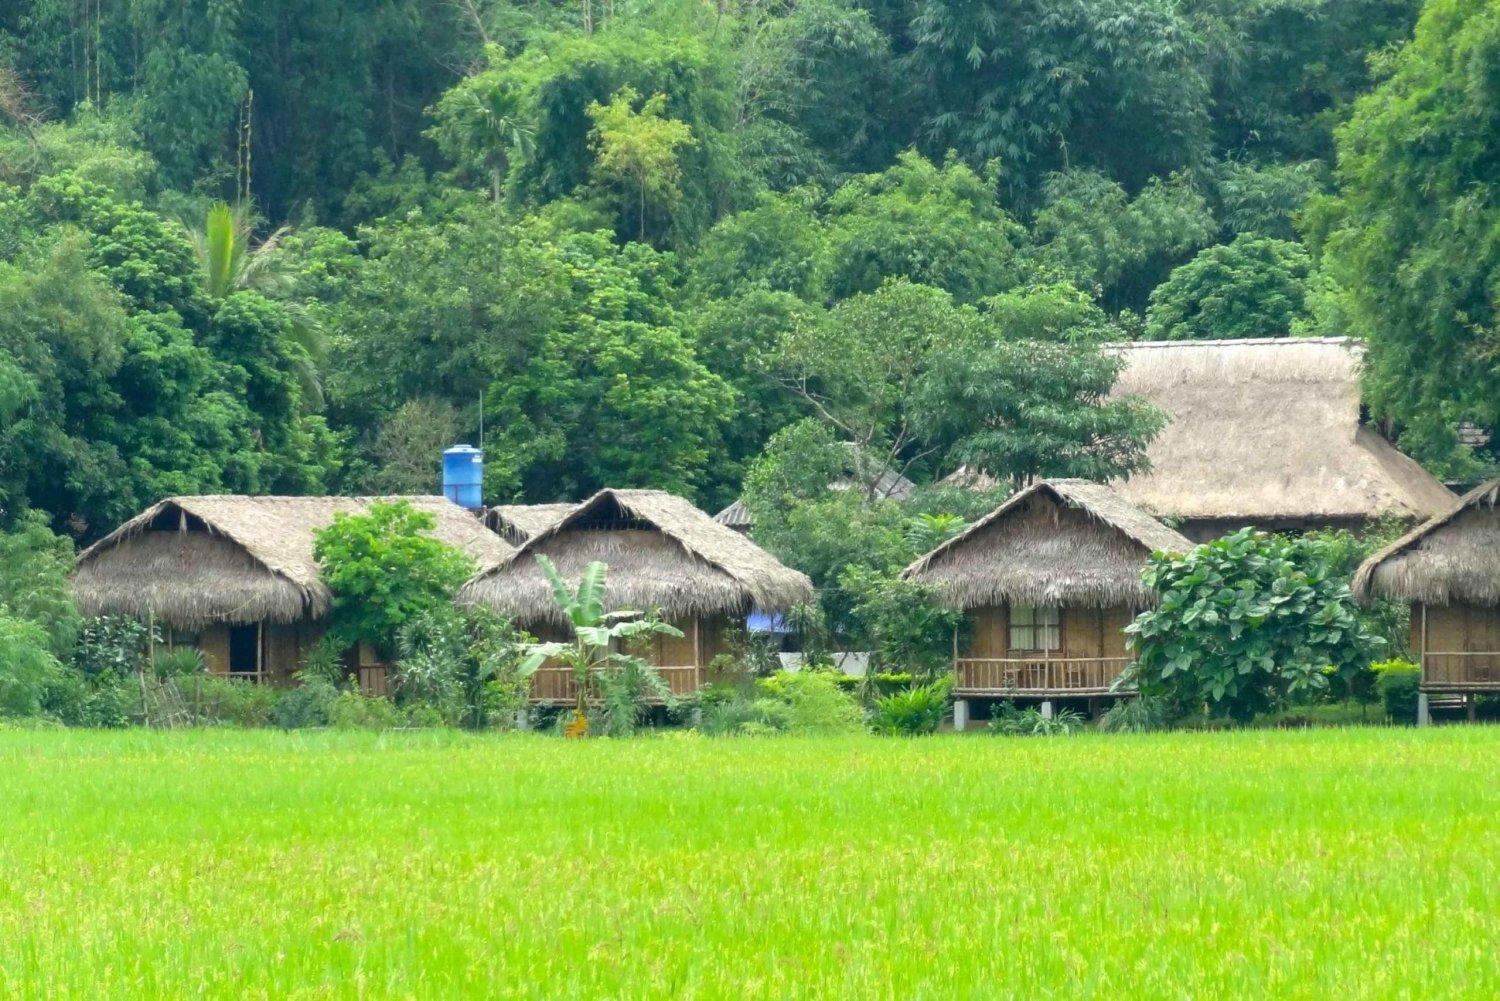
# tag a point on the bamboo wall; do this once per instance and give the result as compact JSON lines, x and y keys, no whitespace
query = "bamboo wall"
{"x":1458,"y":645}
{"x":1086,"y":632}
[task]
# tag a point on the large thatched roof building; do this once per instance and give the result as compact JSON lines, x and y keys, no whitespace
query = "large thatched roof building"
{"x":1267,"y":432}
{"x":235,"y":576}
{"x":515,"y":523}
{"x":1448,"y":570}
{"x":1047,"y":580}
{"x":664,"y":555}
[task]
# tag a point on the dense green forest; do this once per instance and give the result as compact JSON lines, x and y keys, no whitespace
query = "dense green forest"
{"x":302,"y":245}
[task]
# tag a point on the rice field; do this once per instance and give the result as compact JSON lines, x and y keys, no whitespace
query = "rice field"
{"x":1353,"y":863}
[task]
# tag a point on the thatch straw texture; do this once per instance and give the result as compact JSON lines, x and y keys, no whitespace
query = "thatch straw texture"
{"x":1267,"y":430}
{"x":663,"y":553}
{"x":191,"y":561}
{"x":1454,"y":558}
{"x":515,"y":523}
{"x":1058,"y":542}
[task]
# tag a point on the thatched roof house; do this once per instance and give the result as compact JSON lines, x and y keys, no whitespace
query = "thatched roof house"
{"x":515,"y":523}
{"x":191,"y":561}
{"x":1448,"y":570}
{"x":663,"y":553}
{"x":1058,"y":542}
{"x":237,"y":574}
{"x":1267,"y":432}
{"x":1048,"y":581}
{"x":1454,"y":557}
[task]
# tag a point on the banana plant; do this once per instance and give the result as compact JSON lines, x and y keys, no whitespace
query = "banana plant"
{"x":597,"y":634}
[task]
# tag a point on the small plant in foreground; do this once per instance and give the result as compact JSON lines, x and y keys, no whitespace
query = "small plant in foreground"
{"x":1030,"y":722}
{"x":917,"y":711}
{"x":1142,"y":714}
{"x":1398,"y":681}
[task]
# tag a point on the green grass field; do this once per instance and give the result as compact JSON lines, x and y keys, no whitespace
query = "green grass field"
{"x":1358,"y":863}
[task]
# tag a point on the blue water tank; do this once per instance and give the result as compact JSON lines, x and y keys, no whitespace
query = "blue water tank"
{"x":463,"y":476}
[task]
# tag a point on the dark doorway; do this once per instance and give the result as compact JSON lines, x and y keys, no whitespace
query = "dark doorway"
{"x":244,"y":644}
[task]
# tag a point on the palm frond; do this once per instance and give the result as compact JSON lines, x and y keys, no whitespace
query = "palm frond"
{"x":591,"y":591}
{"x":561,"y":593}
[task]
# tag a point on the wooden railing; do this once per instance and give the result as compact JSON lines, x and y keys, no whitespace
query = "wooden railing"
{"x":555,"y":684}
{"x":1467,"y":671}
{"x":1037,"y":676}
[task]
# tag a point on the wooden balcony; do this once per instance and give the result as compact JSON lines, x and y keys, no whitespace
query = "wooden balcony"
{"x":1033,"y":677}
{"x":555,"y":684}
{"x":1466,"y":671}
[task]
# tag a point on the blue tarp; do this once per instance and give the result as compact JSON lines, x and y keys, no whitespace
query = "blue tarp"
{"x":762,"y":622}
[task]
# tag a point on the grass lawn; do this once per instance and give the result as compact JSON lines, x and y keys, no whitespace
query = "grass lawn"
{"x":1310,"y":864}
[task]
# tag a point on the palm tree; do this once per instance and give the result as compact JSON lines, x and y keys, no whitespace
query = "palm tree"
{"x":497,"y":128}
{"x":596,"y":636}
{"x":228,"y":263}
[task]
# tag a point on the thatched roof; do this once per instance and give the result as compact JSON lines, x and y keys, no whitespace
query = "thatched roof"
{"x":736,"y":516}
{"x":969,"y":478}
{"x":1058,"y":542}
{"x":1454,"y":558}
{"x":1267,"y":430}
{"x":663,"y":553}
{"x":516,"y":523}
{"x":191,"y":561}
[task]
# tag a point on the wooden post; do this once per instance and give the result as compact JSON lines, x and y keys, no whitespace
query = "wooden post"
{"x":1422,"y":654}
{"x":697,"y":654}
{"x":260,"y":638}
{"x":955,"y":657}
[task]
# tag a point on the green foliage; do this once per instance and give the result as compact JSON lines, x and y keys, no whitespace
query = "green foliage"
{"x":26,"y":667}
{"x":902,"y":622}
{"x":34,"y":569}
{"x":176,"y":663}
{"x":809,"y":703}
{"x":595,"y":652}
{"x":1409,"y":234}
{"x":915,"y":712}
{"x":111,"y":645}
{"x":1253,"y":287}
{"x":352,"y":711}
{"x":212,"y":700}
{"x":1025,"y":394}
{"x":637,"y":150}
{"x":1244,"y":623}
{"x":384,"y":571}
{"x":1142,"y":714}
{"x":1009,"y":721}
{"x":306,"y":705}
{"x":1398,"y":681}
{"x":470,"y":666}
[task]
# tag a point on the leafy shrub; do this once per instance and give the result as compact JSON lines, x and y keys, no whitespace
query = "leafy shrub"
{"x":1246,"y":621}
{"x":34,"y":569}
{"x":111,"y":644}
{"x":1398,"y":682}
{"x":304,"y":706}
{"x":1142,"y":714}
{"x":353,"y":711}
{"x":1012,"y":722}
{"x":902,"y":621}
{"x":384,"y":571}
{"x":814,"y":703}
{"x":26,"y":665}
{"x":212,"y":699}
{"x":471,"y":666}
{"x":800,"y":703}
{"x":916,"y":711}
{"x":107,"y":702}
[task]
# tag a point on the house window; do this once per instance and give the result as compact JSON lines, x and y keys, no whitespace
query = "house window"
{"x":1034,"y":628}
